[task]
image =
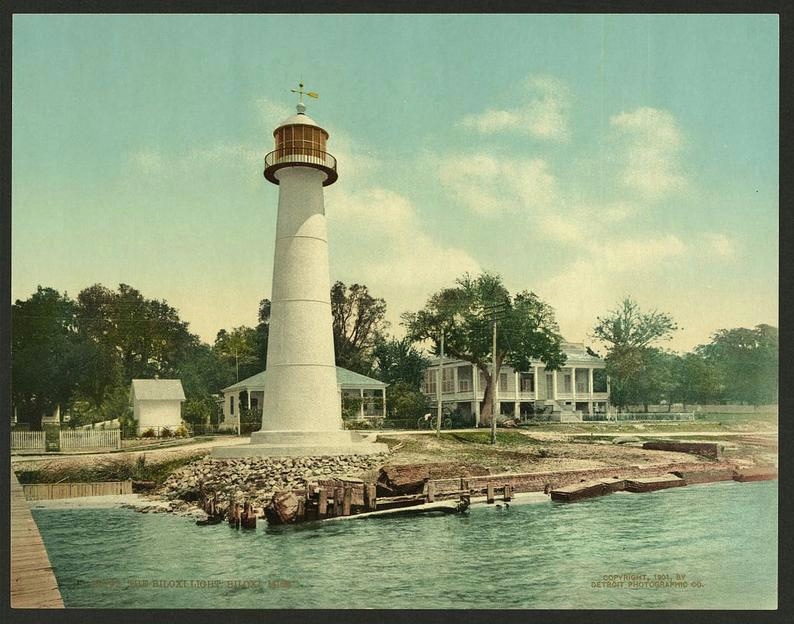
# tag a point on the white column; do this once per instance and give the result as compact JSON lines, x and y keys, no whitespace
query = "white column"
{"x":554,"y":385}
{"x":475,"y":384}
{"x":536,"y":380}
{"x":573,"y":387}
{"x":361,"y":404}
{"x":383,"y":397}
{"x":517,"y":401}
{"x":590,"y":381}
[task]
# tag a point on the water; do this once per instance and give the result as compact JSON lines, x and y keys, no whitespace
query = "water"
{"x":722,"y":538}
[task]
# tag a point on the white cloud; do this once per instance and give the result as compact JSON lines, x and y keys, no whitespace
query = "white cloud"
{"x":650,"y":144}
{"x":544,"y":116}
{"x":491,"y":186}
{"x":147,"y":160}
{"x":719,"y":245}
{"x":377,"y":239}
{"x":271,"y":114}
{"x":635,"y":254}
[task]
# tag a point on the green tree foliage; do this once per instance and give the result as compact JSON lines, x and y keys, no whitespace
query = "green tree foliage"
{"x":358,"y":325}
{"x":628,"y":334}
{"x":201,"y":411}
{"x":46,"y":352}
{"x":405,"y":404}
{"x":86,"y":352}
{"x":262,"y":335}
{"x":146,"y":335}
{"x":528,"y":328}
{"x":397,"y":361}
{"x":238,"y":347}
{"x":696,"y":381}
{"x":746,"y":363}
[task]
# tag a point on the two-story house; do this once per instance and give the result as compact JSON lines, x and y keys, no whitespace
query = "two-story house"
{"x":579,"y":389}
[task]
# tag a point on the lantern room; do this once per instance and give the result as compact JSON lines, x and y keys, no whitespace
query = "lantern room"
{"x":300,"y":142}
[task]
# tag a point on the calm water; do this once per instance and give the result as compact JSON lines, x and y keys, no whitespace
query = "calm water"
{"x":722,"y":538}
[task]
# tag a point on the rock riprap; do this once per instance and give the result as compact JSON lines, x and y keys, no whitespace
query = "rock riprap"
{"x":255,"y":479}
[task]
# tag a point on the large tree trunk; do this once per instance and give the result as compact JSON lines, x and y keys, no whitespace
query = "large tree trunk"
{"x":486,"y":407}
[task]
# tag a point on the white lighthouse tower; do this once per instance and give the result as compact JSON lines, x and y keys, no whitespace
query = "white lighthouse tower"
{"x":301,"y":412}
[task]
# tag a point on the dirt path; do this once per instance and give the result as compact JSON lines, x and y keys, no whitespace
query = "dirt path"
{"x":157,"y":454}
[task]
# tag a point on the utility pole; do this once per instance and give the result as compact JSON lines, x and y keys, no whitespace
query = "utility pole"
{"x":495,"y":393}
{"x":439,"y":389}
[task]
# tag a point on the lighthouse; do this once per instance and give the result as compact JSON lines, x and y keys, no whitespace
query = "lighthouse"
{"x":301,"y":411}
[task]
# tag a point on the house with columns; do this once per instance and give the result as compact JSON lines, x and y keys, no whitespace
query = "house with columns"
{"x":579,"y":390}
{"x":368,"y":395}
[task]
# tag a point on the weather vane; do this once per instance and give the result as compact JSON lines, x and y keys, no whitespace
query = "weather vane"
{"x":301,"y":93}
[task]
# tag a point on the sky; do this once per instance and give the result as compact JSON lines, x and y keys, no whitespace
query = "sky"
{"x":586,"y":158}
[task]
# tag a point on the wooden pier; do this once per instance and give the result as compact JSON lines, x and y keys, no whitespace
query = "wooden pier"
{"x":33,"y":583}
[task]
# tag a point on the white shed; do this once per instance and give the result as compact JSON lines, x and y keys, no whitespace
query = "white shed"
{"x":157,"y":403}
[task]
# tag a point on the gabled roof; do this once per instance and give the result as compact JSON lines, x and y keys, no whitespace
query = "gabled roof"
{"x":344,"y":378}
{"x":158,"y":389}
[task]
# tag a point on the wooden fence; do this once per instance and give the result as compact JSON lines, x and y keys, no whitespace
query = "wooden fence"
{"x":90,"y":438}
{"x":27,"y":440}
{"x":48,"y":491}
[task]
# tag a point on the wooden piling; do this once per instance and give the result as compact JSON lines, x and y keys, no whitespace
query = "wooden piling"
{"x":322,"y":503}
{"x":431,"y":492}
{"x":489,"y":496}
{"x":347,"y":500}
{"x":370,"y":500}
{"x":508,"y":493}
{"x":337,"y":501}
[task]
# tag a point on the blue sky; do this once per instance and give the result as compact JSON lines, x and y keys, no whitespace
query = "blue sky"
{"x":583,"y":157}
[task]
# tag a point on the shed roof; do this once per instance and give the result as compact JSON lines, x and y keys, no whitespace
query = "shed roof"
{"x":344,"y":378}
{"x":158,"y":389}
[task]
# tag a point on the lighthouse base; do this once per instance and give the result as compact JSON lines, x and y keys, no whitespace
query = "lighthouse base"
{"x":301,"y":444}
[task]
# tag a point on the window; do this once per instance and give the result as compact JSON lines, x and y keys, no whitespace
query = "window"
{"x":231,"y":405}
{"x":482,"y":380}
{"x":582,"y":381}
{"x":502,"y":382}
{"x":430,"y":381}
{"x":254,"y":403}
{"x":566,"y":382}
{"x":448,"y":384}
{"x":527,"y":382}
{"x":464,"y":379}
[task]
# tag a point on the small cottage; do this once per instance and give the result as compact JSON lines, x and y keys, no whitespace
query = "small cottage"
{"x":157,"y":403}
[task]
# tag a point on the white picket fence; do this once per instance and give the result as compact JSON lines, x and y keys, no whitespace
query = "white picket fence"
{"x":69,"y":439}
{"x":27,"y":440}
{"x":90,"y":438}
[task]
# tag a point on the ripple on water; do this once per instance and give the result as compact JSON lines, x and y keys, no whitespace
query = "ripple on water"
{"x":543,"y":555}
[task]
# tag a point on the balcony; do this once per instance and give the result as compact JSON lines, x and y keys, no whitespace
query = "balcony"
{"x":298,"y":156}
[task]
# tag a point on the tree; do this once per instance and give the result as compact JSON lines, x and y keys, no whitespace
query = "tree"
{"x":262,"y":334}
{"x":628,"y":334}
{"x":358,"y":324}
{"x":696,"y":381}
{"x":147,"y":335}
{"x":746,"y":362}
{"x":239,"y":346}
{"x":397,"y":361}
{"x":45,"y":354}
{"x":528,"y":332}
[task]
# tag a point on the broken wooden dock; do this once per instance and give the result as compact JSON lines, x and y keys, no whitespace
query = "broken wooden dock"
{"x":587,"y":489}
{"x":33,"y":583}
{"x":651,"y":484}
